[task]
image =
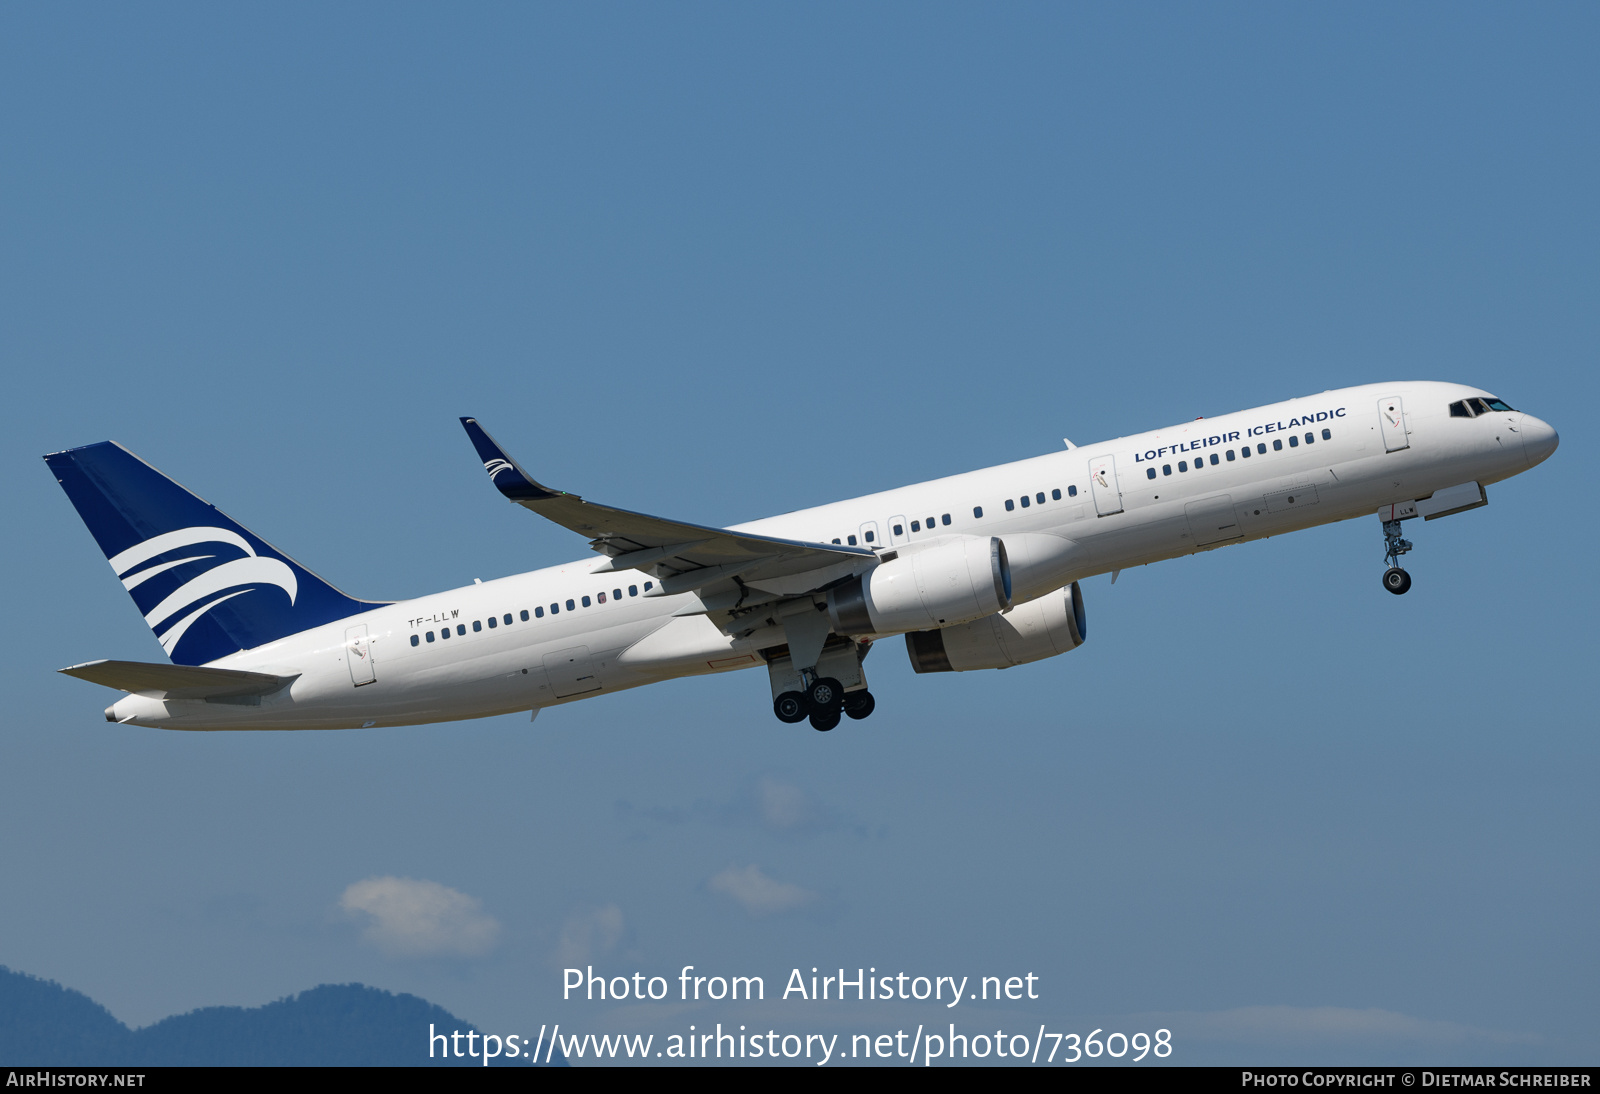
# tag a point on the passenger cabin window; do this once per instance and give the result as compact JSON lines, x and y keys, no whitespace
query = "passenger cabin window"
{"x":1039,"y":497}
{"x":870,"y":536}
{"x":916,"y":526}
{"x":493,"y":622}
{"x":430,"y":636}
{"x":1166,"y":469}
{"x":1230,"y":455}
{"x":444,"y":632}
{"x":633,"y":590}
{"x":1024,"y":501}
{"x":899,"y":529}
{"x":524,"y":615}
{"x":945,"y":520}
{"x":1072,"y":491}
{"x":1294,"y":442}
{"x":414,"y":640}
{"x":585,"y":602}
{"x":1277,"y":446}
{"x":537,"y":611}
{"x":1327,"y":434}
{"x":1055,"y":495}
{"x":977,"y":511}
{"x":602,"y":598}
{"x":1149,"y":472}
{"x":461,"y":628}
{"x":1183,"y":465}
{"x":851,"y":540}
{"x":616,"y":594}
{"x":555,"y":609}
{"x":1010,"y":505}
{"x":477,"y":625}
{"x":836,"y":539}
{"x":571,"y":606}
{"x":648,"y":585}
{"x":1261,"y":449}
{"x":1245,"y":452}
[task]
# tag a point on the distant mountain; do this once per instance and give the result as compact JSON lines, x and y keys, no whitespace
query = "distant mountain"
{"x":337,"y":1025}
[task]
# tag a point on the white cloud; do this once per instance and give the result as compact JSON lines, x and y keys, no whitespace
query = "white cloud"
{"x":782,"y":805}
{"x":758,"y":893}
{"x":588,"y":934}
{"x":409,"y":918}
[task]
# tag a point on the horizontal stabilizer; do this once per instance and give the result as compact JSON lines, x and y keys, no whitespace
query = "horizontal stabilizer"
{"x":177,"y":681}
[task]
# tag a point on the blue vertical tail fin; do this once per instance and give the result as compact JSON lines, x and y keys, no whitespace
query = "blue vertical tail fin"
{"x":206,"y":585}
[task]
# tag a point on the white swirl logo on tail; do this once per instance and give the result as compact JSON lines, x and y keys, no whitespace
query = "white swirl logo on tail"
{"x":250,"y":570}
{"x":497,"y":465}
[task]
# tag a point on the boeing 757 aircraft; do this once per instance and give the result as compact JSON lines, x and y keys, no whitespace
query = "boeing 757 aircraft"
{"x":977,"y":571}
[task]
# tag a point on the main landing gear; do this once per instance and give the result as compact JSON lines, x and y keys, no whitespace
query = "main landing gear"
{"x":1395,"y":579}
{"x":833,"y":689}
{"x":825,"y":702}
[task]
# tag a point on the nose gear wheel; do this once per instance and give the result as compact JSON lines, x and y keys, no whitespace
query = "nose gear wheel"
{"x":1396,"y":580}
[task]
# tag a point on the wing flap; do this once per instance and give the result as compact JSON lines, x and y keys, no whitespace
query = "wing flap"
{"x":176,"y":681}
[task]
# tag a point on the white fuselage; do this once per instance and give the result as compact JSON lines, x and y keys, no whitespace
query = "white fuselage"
{"x":617,"y":636}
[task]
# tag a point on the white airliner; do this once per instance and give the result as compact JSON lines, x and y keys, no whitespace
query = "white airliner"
{"x":978,"y":571}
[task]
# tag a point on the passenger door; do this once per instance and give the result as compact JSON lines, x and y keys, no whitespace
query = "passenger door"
{"x":358,"y":655}
{"x":869,"y":534}
{"x":1103,"y":484}
{"x":1392,"y":423}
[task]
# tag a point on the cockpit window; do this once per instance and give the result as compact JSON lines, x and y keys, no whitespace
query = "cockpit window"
{"x":1471,"y":408}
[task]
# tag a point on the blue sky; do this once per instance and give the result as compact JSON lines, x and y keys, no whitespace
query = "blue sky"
{"x":718,"y":262}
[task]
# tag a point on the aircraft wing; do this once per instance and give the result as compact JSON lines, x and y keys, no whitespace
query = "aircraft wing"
{"x":176,"y":681}
{"x":683,"y":556}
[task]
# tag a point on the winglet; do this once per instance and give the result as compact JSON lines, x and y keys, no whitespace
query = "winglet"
{"x":506,"y":474}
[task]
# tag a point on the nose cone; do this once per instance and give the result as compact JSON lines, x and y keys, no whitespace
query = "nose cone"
{"x":1539,"y":440}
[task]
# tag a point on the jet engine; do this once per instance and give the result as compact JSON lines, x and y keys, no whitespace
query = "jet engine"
{"x":932,"y":585}
{"x":1033,"y":631}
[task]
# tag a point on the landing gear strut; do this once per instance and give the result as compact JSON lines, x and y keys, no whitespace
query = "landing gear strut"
{"x":1395,"y":579}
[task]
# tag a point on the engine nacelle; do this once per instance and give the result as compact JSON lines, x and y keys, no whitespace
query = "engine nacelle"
{"x":942,"y":584}
{"x":1033,"y":631}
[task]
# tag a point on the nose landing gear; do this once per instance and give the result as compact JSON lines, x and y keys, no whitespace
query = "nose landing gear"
{"x":1396,"y":580}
